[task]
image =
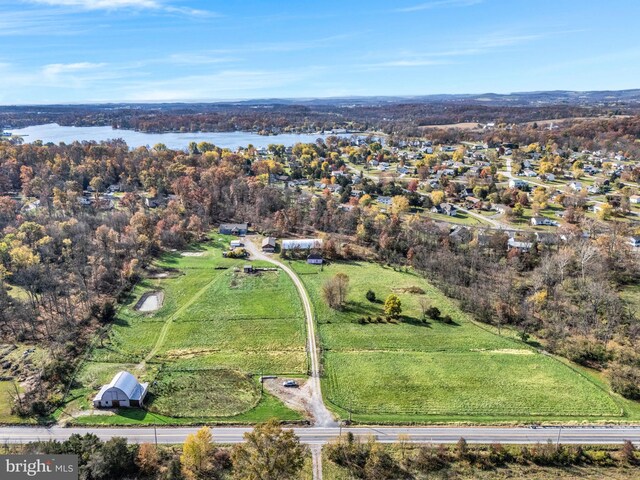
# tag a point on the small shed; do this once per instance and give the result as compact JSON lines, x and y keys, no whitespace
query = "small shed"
{"x":248,"y":269}
{"x":315,"y":259}
{"x":123,"y":391}
{"x":269,"y":245}
{"x":236,"y":244}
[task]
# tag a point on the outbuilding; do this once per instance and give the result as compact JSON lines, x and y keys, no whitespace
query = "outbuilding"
{"x":302,"y":244}
{"x":315,"y":259}
{"x":123,"y":391}
{"x":269,"y":245}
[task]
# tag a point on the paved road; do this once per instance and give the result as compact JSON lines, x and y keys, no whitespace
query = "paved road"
{"x":321,"y":435}
{"x":322,"y":416}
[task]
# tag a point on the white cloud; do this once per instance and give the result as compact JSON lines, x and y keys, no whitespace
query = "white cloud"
{"x":126,"y":4}
{"x":440,"y":4}
{"x":101,"y":4}
{"x":56,"y":69}
{"x":407,"y":62}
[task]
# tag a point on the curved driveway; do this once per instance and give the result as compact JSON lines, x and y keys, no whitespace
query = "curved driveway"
{"x":322,"y":416}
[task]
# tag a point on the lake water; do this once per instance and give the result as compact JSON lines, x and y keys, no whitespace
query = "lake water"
{"x":177,"y":141}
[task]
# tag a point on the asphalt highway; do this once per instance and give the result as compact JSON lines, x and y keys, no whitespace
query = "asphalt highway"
{"x":320,"y":435}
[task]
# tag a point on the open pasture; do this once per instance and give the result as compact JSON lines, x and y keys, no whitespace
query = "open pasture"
{"x":410,"y":370}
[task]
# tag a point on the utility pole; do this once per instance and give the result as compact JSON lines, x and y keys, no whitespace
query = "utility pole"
{"x":558,"y":440}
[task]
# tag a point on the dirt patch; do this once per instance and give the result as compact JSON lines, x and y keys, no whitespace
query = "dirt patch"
{"x":150,"y":302}
{"x":159,"y":273}
{"x":298,"y":399}
{"x":508,"y":351}
{"x":414,"y":290}
{"x":192,"y":254}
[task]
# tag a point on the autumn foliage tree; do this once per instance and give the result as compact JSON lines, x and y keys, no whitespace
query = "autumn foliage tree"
{"x":268,"y":453}
{"x":393,"y":306}
{"x":335,"y":290}
{"x":196,"y":455}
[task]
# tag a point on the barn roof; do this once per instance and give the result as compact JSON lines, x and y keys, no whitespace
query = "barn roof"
{"x":127,"y":383}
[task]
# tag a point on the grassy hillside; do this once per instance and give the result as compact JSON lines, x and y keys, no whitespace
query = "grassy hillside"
{"x":412,"y":371}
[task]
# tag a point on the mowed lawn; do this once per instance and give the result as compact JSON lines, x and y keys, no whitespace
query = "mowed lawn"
{"x":202,"y":351}
{"x":411,"y":371}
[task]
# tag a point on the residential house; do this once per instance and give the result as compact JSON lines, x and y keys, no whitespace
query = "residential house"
{"x":384,"y":200}
{"x":500,"y":208}
{"x":537,"y":221}
{"x":576,"y":186}
{"x":123,"y":391}
{"x":473,"y":202}
{"x":516,"y":183}
{"x":461,"y":234}
{"x":634,"y":199}
{"x":234,"y":229}
{"x":445,"y":209}
{"x":634,"y":241}
{"x":519,"y":245}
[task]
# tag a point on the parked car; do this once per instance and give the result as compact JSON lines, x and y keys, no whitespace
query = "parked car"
{"x":290,"y":383}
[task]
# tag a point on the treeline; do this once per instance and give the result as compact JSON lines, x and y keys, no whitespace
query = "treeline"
{"x":268,"y":453}
{"x":402,"y":118}
{"x":368,"y":460}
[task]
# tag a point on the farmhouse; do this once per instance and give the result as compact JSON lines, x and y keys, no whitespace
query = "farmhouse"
{"x":234,"y":229}
{"x":123,"y":391}
{"x":302,"y":244}
{"x":315,"y":259}
{"x":269,"y":245}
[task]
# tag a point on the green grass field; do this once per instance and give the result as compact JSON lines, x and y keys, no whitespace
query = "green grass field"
{"x":412,"y":371}
{"x":217,"y":330}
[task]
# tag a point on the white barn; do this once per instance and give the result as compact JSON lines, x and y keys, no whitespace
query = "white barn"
{"x":302,"y":244}
{"x":123,"y":391}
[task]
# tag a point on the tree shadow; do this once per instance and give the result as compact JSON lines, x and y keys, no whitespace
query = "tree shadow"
{"x":415,"y":321}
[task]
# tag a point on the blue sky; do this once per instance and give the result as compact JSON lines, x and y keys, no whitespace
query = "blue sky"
{"x":70,"y":51}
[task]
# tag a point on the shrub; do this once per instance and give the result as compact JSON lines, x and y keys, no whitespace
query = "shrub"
{"x":433,"y":313}
{"x":447,"y":319}
{"x":371,"y":295}
{"x":628,"y":453}
{"x":429,"y":460}
{"x":601,"y":458}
